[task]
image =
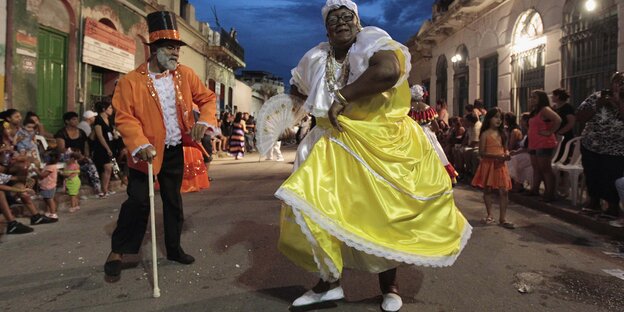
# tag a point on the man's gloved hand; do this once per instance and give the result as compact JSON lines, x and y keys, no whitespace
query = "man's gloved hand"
{"x":146,"y":154}
{"x":198,"y":131}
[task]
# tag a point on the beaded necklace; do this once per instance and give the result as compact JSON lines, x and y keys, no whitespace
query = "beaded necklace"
{"x":331,"y":65}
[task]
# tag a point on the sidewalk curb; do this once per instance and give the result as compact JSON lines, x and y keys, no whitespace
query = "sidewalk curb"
{"x":570,"y":215}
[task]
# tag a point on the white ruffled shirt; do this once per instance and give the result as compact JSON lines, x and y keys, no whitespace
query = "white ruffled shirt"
{"x":309,"y":75}
{"x":166,"y":94}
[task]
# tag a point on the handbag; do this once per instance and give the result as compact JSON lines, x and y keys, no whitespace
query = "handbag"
{"x":115,"y":167}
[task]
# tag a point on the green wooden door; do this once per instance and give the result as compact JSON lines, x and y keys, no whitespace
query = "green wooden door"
{"x":51,"y":76}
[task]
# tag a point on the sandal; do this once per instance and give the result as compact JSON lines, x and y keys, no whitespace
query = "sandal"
{"x":488,"y":220}
{"x":508,"y":225}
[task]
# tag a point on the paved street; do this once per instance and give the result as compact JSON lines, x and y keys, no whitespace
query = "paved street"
{"x":232,"y":230}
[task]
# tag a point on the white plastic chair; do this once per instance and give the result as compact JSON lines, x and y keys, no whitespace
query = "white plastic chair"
{"x":573,"y":168}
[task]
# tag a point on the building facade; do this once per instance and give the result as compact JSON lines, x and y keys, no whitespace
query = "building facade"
{"x":65,"y":55}
{"x":501,"y":50}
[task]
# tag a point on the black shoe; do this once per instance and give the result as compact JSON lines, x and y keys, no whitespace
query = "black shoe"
{"x":112,"y":270}
{"x":182,"y":258}
{"x":18,"y":228}
{"x":41,"y":219}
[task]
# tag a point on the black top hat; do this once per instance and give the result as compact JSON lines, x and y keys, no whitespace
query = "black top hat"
{"x":162,"y":26}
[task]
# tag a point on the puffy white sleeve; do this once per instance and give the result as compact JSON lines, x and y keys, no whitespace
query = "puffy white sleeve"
{"x":370,"y":41}
{"x":309,"y":77}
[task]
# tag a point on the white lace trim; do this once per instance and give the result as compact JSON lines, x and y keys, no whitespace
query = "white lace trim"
{"x":335,"y":275}
{"x":380,"y":177}
{"x":354,"y":241}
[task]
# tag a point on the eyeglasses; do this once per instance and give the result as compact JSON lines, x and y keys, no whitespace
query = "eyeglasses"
{"x":333,"y":20}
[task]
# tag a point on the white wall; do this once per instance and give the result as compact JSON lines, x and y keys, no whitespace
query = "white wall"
{"x":242,"y":97}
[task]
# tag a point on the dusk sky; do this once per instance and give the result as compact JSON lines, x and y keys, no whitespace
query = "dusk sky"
{"x":276,"y":33}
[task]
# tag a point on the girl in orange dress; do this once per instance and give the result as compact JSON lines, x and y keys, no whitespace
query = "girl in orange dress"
{"x":492,"y":173}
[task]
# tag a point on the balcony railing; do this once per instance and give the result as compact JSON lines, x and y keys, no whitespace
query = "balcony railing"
{"x":230,"y":43}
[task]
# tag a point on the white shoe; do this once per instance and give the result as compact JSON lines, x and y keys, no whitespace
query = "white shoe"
{"x":310,"y":297}
{"x":268,"y":158}
{"x":391,"y":302}
{"x":280,"y":159}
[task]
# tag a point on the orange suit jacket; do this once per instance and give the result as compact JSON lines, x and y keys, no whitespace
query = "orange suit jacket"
{"x":139,"y":116}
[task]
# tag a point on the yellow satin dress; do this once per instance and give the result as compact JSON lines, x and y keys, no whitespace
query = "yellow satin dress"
{"x":371,"y":197}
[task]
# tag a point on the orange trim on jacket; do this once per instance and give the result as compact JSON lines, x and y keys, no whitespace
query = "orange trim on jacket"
{"x":139,"y":116}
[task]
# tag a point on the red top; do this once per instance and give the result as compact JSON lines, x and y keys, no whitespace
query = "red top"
{"x":537,"y":141}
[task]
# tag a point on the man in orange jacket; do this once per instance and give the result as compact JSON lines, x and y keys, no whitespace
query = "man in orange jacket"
{"x":154,"y":115}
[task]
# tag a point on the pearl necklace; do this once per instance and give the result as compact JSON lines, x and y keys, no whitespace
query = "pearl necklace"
{"x":331,"y":66}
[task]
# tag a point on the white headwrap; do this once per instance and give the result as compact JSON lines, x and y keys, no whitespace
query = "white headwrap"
{"x":335,"y":4}
{"x":418,"y":92}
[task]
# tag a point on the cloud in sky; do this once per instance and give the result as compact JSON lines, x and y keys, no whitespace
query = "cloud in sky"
{"x":276,"y":33}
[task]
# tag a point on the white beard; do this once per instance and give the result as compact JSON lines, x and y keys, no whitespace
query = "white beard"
{"x":164,"y":60}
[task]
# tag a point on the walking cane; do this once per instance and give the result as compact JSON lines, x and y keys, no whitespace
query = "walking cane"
{"x":150,"y":178}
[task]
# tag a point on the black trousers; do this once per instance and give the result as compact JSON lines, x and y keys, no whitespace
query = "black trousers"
{"x":601,"y":171}
{"x":134,"y":212}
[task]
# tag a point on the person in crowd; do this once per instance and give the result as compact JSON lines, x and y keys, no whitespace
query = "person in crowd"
{"x":427,"y":118}
{"x":13,"y":226}
{"x":72,"y":180}
{"x":237,"y":139}
{"x":442,"y":109}
{"x":17,"y":185}
{"x":565,"y":111}
{"x":365,"y":147}
{"x":102,"y":145}
{"x":226,"y":130}
{"x":157,"y":136}
{"x":543,"y":124}
{"x":11,"y":123}
{"x":24,"y":140}
{"x":71,"y":139}
{"x":519,"y":165}
{"x":619,"y":186}
{"x":86,"y":125}
{"x":250,"y":125}
{"x":48,"y":178}
{"x":39,"y":127}
{"x":467,"y":156}
{"x":478,"y":109}
{"x":602,"y":145}
{"x":492,"y":173}
{"x":454,"y":137}
{"x":276,"y":150}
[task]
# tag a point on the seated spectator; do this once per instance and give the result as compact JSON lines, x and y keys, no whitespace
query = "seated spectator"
{"x":88,"y":118}
{"x":72,"y":139}
{"x":442,"y":109}
{"x":39,"y":128}
{"x":9,"y":183}
{"x":11,"y":123}
{"x":519,"y":165}
{"x":24,"y":140}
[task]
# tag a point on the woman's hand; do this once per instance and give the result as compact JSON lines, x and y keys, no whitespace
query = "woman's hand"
{"x":335,"y":110}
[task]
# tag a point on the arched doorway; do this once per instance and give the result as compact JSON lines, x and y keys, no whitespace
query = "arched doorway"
{"x":460,"y":79}
{"x":528,"y":47}
{"x":589,"y":47}
{"x":441,"y":78}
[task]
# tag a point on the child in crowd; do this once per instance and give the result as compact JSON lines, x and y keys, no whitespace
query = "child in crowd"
{"x":492,"y":173}
{"x":47,"y":183}
{"x":72,"y":180}
{"x":24,"y":140}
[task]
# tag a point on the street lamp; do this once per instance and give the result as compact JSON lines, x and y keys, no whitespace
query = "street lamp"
{"x":456,"y":58}
{"x":590,"y":5}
